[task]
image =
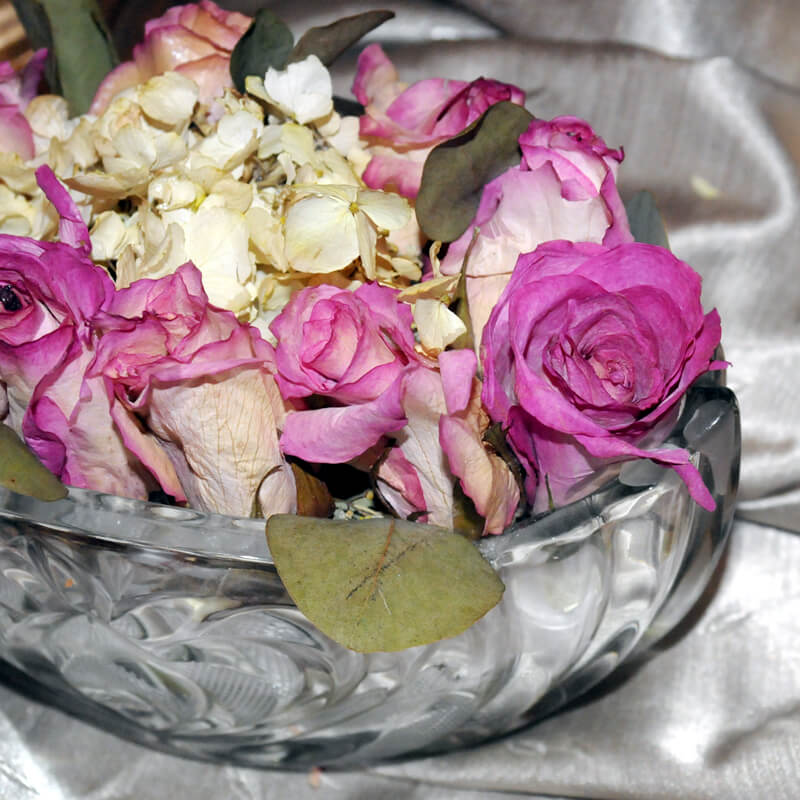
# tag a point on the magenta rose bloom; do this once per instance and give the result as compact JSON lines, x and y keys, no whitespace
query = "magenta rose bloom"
{"x":17,"y":89}
{"x":586,"y":357}
{"x":350,"y":348}
{"x":195,"y":39}
{"x":564,"y":188}
{"x":50,"y":296}
{"x":406,"y":123}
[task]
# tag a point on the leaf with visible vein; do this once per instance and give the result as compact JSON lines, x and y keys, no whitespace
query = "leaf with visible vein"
{"x":384,"y":584}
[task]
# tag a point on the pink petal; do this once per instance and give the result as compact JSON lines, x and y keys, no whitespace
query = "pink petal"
{"x":336,"y":435}
{"x":72,"y":229}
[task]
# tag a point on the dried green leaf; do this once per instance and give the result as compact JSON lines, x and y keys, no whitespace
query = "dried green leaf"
{"x":22,"y":472}
{"x":328,"y":42}
{"x":266,"y":43}
{"x":384,"y":584}
{"x":81,"y":50}
{"x":456,"y":171}
{"x":645,"y":221}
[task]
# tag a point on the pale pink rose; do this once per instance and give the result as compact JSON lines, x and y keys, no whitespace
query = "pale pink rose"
{"x":565,"y":188}
{"x":441,"y":444}
{"x":588,"y":352}
{"x":17,"y":89}
{"x":350,"y":348}
{"x":404,"y":124}
{"x":50,"y":296}
{"x":194,"y":396}
{"x":195,"y":40}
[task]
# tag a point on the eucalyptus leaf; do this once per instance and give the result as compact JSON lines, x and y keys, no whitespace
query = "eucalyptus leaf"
{"x":22,"y":472}
{"x":81,"y":50}
{"x":266,"y":43}
{"x":645,"y":221}
{"x":456,"y":171}
{"x":382,"y":584}
{"x":327,"y":42}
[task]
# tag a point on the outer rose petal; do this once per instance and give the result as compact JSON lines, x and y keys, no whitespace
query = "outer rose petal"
{"x":518,"y":211}
{"x":72,"y":230}
{"x":16,"y":135}
{"x":400,"y":486}
{"x":221,"y":451}
{"x":336,"y":435}
{"x":424,"y":403}
{"x":484,"y":477}
{"x":195,"y":39}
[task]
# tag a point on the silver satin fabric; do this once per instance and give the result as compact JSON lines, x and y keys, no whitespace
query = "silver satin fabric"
{"x":705,"y":98}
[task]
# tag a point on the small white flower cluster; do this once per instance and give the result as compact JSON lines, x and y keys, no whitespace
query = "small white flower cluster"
{"x":263,"y":195}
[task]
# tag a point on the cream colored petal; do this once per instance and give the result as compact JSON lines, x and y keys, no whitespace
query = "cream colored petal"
{"x":217,"y":243}
{"x":303,"y":89}
{"x":133,"y":146}
{"x":367,"y":239}
{"x":266,"y":238}
{"x":388,"y":211}
{"x":320,"y":234}
{"x":437,"y":326}
{"x":170,"y":192}
{"x":435,"y":288}
{"x":169,"y":99}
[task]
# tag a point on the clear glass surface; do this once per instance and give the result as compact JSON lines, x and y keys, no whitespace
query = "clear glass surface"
{"x":171,"y":627}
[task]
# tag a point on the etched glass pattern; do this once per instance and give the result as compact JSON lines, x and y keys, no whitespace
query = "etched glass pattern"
{"x":171,"y":627}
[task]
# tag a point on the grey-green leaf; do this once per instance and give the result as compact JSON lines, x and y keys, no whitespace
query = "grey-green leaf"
{"x":456,"y":171}
{"x":22,"y":472}
{"x":645,"y":221}
{"x":81,"y":50}
{"x":327,"y":42}
{"x":266,"y":43}
{"x":383,"y":584}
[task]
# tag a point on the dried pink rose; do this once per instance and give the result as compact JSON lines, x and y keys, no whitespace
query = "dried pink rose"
{"x":50,"y":295}
{"x":441,"y":444}
{"x":587,"y":353}
{"x":351,"y":348}
{"x":565,"y":188}
{"x":17,"y":89}
{"x":404,"y":124}
{"x":194,"y":396}
{"x":194,"y":39}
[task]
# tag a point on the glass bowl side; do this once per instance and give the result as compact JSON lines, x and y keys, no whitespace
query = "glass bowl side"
{"x":172,"y":628}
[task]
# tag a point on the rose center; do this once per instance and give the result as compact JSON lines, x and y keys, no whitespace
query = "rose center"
{"x":9,"y":299}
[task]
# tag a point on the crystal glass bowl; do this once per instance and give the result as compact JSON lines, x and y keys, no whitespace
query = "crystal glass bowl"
{"x":171,"y":627}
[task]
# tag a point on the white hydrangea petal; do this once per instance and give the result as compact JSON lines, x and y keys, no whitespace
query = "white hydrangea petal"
{"x":388,"y":211}
{"x":367,"y":239}
{"x":320,"y":234}
{"x":303,"y":89}
{"x":217,"y":243}
{"x":170,"y":99}
{"x":437,"y":326}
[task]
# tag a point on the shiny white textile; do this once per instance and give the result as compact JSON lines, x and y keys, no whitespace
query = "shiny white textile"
{"x":705,"y":98}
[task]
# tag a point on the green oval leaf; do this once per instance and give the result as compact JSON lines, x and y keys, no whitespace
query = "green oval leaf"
{"x":645,"y":221}
{"x":266,"y":43}
{"x":81,"y":50}
{"x":328,"y":42}
{"x":456,"y":171}
{"x":383,"y":584}
{"x":22,"y":472}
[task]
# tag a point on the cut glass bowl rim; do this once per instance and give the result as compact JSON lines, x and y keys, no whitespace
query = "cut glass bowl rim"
{"x":101,"y":517}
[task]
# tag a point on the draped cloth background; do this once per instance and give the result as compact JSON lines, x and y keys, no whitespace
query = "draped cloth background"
{"x":705,"y":98}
